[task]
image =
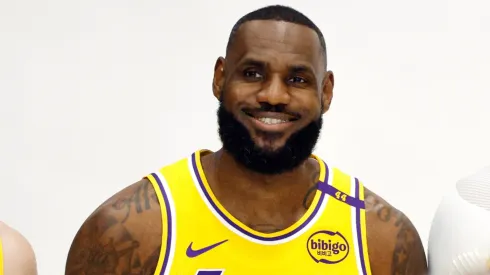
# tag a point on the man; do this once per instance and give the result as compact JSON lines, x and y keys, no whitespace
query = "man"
{"x":459,"y":243}
{"x":263,"y":204}
{"x":16,"y":254}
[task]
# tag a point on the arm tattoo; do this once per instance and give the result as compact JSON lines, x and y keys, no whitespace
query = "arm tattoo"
{"x":107,"y":242}
{"x":408,"y":256}
{"x":150,"y":264}
{"x":141,"y":199}
{"x":101,"y":255}
{"x":115,"y":255}
{"x":384,"y":212}
{"x":404,"y":241}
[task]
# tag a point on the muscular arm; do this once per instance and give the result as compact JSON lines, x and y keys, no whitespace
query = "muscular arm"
{"x":18,"y":256}
{"x":121,"y":237}
{"x":394,"y":244}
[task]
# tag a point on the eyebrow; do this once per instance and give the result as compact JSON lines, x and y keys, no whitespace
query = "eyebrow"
{"x":252,"y":62}
{"x":298,"y":68}
{"x":301,"y":69}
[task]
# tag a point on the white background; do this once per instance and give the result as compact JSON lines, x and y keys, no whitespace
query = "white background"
{"x":96,"y":94}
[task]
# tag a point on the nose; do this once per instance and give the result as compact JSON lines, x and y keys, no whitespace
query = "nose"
{"x":274,"y":92}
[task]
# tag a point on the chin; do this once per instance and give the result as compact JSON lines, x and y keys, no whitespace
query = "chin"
{"x":264,"y":151}
{"x":270,"y":143}
{"x":269,"y":149}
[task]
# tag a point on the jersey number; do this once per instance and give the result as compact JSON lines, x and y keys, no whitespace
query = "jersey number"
{"x":341,"y":196}
{"x":210,"y":272}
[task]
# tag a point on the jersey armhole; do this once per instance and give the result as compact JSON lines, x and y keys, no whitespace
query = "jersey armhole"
{"x":362,"y":214}
{"x":168,"y":223}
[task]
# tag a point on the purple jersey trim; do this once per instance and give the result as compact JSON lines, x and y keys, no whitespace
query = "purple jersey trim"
{"x":242,"y":230}
{"x":332,"y":191}
{"x":359,"y":228}
{"x":169,"y":224}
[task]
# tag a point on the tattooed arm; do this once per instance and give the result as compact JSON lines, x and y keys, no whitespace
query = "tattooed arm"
{"x":394,"y":244}
{"x":121,"y":237}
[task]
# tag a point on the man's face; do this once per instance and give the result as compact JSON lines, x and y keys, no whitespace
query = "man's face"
{"x":273,"y":90}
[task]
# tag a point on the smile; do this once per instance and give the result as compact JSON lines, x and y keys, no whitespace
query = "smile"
{"x":271,"y":121}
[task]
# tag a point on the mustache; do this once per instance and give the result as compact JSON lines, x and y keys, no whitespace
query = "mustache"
{"x":279,"y":108}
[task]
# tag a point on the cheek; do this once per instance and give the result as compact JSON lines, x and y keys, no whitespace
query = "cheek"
{"x":310,"y":105}
{"x":232,"y":103}
{"x":238,"y":95}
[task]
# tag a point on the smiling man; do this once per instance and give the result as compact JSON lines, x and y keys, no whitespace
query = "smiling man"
{"x":262,"y":204}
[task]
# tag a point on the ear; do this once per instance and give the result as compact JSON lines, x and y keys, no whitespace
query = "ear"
{"x":327,"y":92}
{"x":219,"y":77}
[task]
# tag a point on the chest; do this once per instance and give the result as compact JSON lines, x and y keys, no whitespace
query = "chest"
{"x":209,"y":242}
{"x":202,"y":237}
{"x":212,"y":252}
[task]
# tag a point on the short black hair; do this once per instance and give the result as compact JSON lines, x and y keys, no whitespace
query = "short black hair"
{"x":279,"y":13}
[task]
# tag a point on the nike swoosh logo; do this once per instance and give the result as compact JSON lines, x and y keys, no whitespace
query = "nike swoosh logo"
{"x":191,"y":253}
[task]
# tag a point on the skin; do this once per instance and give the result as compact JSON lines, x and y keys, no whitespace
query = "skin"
{"x":270,"y":62}
{"x":18,"y":256}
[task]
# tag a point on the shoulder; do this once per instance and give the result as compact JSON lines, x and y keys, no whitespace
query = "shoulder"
{"x":122,"y":231}
{"x":17,"y":252}
{"x":394,"y":244}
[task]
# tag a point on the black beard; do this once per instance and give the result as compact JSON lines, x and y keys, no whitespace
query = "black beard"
{"x":237,"y":141}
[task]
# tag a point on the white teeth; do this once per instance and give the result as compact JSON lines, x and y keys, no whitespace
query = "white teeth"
{"x":268,"y":120}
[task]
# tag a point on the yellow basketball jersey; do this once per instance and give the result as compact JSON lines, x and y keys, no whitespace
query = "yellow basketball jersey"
{"x":200,"y":237}
{"x":1,"y":257}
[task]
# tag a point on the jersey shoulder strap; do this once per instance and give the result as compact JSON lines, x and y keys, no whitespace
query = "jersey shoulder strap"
{"x":344,"y":187}
{"x":163,"y":181}
{"x":350,"y":190}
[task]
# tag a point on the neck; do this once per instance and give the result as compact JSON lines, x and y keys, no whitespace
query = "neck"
{"x":256,"y":199}
{"x":228,"y":170}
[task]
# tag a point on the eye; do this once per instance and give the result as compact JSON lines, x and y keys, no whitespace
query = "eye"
{"x":252,"y":74}
{"x":297,"y":79}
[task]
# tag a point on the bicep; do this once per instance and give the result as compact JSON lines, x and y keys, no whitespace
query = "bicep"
{"x":393,"y":242}
{"x":409,"y":254}
{"x":18,"y":255}
{"x":90,"y":250}
{"x":120,"y":236}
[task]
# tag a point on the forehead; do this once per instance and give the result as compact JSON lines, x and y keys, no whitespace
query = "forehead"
{"x":277,"y":42}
